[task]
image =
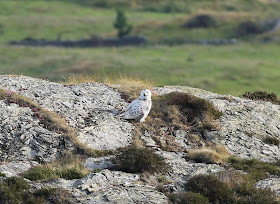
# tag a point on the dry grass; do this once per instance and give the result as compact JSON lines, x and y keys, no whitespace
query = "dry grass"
{"x":51,"y":121}
{"x":217,"y":154}
{"x":129,"y":85}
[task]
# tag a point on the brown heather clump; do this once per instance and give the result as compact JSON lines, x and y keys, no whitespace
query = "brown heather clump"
{"x":175,"y":111}
{"x":262,"y":96}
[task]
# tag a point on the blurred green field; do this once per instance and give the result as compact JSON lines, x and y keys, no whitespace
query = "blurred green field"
{"x":223,"y":69}
{"x":74,"y":20}
{"x":231,"y":69}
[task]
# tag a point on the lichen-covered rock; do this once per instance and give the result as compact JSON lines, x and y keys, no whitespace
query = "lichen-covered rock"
{"x":15,"y":167}
{"x":89,"y":108}
{"x":272,"y":183}
{"x":109,"y":187}
{"x":244,"y":124}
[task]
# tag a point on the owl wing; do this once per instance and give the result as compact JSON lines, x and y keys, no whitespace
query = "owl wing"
{"x":134,"y":110}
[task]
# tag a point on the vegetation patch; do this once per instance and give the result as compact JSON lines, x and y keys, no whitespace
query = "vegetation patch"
{"x":258,"y":169}
{"x":54,"y":195}
{"x":176,"y":111}
{"x":271,"y":140}
{"x":51,"y":121}
{"x":210,"y":187}
{"x":68,"y":167}
{"x":217,"y":189}
{"x":15,"y":190}
{"x":248,"y":28}
{"x":217,"y":155}
{"x":2,"y":174}
{"x":139,"y":160}
{"x":201,"y":21}
{"x":262,"y":96}
{"x":188,"y":197}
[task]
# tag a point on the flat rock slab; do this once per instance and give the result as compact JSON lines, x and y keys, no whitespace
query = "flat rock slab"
{"x":272,"y":183}
{"x":110,"y":187}
{"x":243,"y":125}
{"x":17,"y":167}
{"x":88,"y":108}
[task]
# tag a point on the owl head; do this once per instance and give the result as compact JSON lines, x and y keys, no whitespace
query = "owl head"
{"x":146,"y":94}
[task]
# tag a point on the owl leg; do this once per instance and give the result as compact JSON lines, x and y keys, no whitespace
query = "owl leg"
{"x":142,"y":119}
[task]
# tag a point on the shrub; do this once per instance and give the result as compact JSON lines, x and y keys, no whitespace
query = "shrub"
{"x":15,"y":190}
{"x":210,"y":187}
{"x":200,"y":21}
{"x":262,"y":95}
{"x":139,"y":160}
{"x":55,"y":195}
{"x":208,"y":155}
{"x":121,"y":24}
{"x":188,"y":197}
{"x":247,"y":28}
{"x":258,"y":196}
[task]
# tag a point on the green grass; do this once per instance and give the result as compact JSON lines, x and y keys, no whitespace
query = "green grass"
{"x":223,"y":69}
{"x":48,"y":19}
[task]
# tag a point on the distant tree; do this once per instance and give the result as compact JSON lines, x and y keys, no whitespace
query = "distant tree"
{"x":121,"y":24}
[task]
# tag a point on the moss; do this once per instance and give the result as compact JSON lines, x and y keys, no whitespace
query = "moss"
{"x":188,"y":197}
{"x":262,"y":96}
{"x":139,"y":160}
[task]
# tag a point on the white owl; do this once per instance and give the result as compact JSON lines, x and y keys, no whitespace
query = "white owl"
{"x":139,"y":108}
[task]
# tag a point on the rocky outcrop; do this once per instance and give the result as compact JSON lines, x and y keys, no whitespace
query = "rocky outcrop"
{"x":91,"y":110}
{"x":243,"y":126}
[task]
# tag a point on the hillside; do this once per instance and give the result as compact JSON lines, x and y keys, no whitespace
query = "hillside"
{"x":181,"y":49}
{"x":57,"y":129}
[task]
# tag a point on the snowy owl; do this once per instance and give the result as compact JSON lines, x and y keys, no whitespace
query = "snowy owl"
{"x":139,"y":108}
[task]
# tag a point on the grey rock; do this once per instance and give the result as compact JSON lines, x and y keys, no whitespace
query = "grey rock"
{"x":272,"y":183}
{"x":14,"y":168}
{"x":244,"y":123}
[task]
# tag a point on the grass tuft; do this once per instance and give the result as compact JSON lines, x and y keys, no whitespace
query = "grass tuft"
{"x":209,"y":155}
{"x":139,"y":160}
{"x":258,"y":169}
{"x":67,"y":167}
